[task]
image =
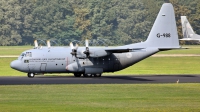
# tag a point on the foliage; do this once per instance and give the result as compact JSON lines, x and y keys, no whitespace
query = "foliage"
{"x":120,"y":22}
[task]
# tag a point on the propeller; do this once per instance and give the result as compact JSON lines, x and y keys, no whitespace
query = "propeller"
{"x":74,"y":49}
{"x":87,"y":52}
{"x":36,"y":44}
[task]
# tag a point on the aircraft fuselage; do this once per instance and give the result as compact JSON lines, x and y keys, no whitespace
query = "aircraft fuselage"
{"x":59,"y":60}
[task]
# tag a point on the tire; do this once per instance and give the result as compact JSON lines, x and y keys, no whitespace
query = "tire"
{"x":97,"y":75}
{"x":87,"y":75}
{"x":77,"y":74}
{"x":31,"y":75}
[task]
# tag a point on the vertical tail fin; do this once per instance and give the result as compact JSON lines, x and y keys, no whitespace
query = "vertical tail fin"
{"x":186,"y":28}
{"x":164,"y":31}
{"x":188,"y":33}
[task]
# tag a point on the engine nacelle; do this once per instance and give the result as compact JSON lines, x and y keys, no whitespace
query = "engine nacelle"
{"x":94,"y":53}
{"x":74,"y":67}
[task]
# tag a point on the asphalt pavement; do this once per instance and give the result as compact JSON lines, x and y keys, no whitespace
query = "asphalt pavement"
{"x":122,"y":79}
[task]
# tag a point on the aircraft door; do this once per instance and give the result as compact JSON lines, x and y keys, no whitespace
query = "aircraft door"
{"x":116,"y":64}
{"x":43,"y":67}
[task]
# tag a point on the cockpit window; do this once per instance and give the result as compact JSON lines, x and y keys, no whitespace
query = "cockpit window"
{"x":23,"y":54}
{"x":28,"y":54}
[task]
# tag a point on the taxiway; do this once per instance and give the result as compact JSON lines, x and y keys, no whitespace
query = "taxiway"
{"x":122,"y":79}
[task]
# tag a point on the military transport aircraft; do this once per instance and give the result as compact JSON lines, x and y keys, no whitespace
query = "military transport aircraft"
{"x":188,"y":33}
{"x":93,"y":61}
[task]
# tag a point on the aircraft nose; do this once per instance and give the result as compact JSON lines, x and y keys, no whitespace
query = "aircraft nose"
{"x":15,"y":64}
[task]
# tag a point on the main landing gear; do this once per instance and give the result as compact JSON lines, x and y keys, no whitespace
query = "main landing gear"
{"x":87,"y":75}
{"x":30,"y":75}
{"x":77,"y":74}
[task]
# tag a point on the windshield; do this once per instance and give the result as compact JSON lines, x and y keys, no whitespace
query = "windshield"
{"x":23,"y":54}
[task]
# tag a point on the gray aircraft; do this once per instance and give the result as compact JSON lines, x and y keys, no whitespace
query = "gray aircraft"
{"x":93,"y":61}
{"x":188,"y":33}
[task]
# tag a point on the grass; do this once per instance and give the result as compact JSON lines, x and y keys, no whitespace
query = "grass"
{"x":17,"y":50}
{"x":151,"y":65}
{"x":106,"y":97}
{"x":193,"y":49}
{"x":13,"y":50}
{"x":165,"y":65}
{"x":183,"y":51}
{"x":99,"y":98}
{"x":5,"y":69}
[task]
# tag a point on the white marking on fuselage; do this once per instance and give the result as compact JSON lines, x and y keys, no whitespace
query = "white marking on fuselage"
{"x":128,"y":55}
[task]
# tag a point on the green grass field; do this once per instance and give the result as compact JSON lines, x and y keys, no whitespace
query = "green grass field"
{"x":100,"y":98}
{"x":192,"y":49}
{"x":152,"y":65}
{"x":17,"y":50}
{"x":13,"y":50}
{"x":107,"y":97}
{"x":165,"y":65}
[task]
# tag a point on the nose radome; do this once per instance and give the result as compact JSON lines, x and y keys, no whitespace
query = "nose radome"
{"x":15,"y":64}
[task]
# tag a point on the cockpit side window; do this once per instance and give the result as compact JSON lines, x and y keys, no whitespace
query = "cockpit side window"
{"x":23,"y":54}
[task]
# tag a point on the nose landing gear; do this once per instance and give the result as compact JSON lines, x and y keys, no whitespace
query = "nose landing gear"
{"x":30,"y":75}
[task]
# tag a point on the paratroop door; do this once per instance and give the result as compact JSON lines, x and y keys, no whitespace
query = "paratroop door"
{"x":43,"y":67}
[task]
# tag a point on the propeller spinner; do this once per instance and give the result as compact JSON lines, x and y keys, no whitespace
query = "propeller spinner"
{"x":74,"y":49}
{"x":87,"y":52}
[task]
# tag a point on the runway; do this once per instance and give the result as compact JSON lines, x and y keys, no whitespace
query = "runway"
{"x":123,"y":79}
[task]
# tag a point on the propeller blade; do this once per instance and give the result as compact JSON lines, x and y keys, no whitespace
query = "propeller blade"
{"x":76,"y":46}
{"x":36,"y":44}
{"x":74,"y":49}
{"x":87,"y":43}
{"x":71,"y":45}
{"x":48,"y":44}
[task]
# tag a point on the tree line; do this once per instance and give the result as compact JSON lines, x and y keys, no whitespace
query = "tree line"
{"x":120,"y":22}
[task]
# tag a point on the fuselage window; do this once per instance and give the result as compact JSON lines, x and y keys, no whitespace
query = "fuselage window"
{"x":26,"y":61}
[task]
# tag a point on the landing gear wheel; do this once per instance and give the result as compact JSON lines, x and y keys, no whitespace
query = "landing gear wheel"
{"x":77,"y":74}
{"x":97,"y":75}
{"x":30,"y":75}
{"x":87,"y":75}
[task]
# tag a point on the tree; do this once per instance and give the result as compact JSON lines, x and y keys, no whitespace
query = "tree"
{"x":10,"y":22}
{"x":179,"y":11}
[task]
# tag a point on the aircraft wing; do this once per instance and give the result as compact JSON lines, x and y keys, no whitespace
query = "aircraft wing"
{"x":121,"y":50}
